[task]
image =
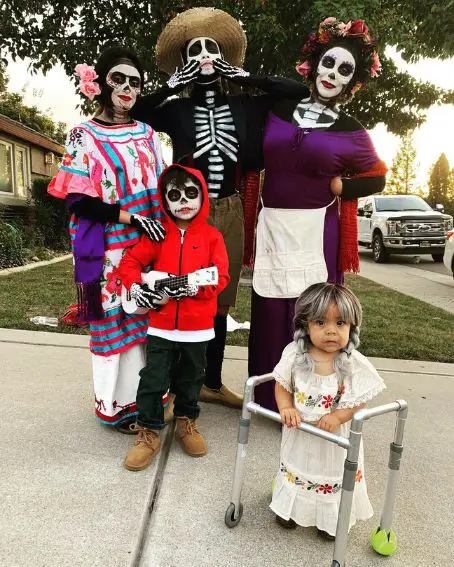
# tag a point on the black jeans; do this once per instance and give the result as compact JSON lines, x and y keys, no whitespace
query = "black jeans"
{"x":156,"y":377}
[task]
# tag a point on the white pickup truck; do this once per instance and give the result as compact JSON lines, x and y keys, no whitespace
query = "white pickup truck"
{"x":401,"y":224}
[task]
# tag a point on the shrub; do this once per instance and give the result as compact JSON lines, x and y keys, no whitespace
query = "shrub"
{"x":11,"y":248}
{"x":51,"y":218}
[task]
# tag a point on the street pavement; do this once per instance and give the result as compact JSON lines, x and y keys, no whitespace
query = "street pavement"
{"x":423,"y":280}
{"x":66,"y":500}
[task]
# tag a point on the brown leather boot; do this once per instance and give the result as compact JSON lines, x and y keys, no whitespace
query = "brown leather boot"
{"x":192,"y":442}
{"x":224,"y":396}
{"x":146,"y":447}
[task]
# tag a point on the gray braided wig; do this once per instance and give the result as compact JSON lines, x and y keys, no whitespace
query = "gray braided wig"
{"x":311,"y":305}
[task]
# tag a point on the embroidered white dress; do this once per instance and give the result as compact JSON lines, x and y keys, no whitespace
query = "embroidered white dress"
{"x":309,"y":481}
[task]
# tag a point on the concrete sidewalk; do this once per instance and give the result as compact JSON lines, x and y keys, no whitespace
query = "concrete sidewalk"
{"x":436,"y":289}
{"x":66,"y":500}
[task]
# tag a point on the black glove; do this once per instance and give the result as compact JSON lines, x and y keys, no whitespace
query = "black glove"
{"x":184,"y":76}
{"x":188,"y":290}
{"x":145,"y":297}
{"x":226,"y":70}
{"x":153,"y":229}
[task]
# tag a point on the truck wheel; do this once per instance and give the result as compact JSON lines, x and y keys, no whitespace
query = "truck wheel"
{"x":437,"y":258}
{"x":380,"y":253}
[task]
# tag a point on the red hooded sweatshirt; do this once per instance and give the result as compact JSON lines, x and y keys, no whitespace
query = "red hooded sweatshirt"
{"x":202,"y":247}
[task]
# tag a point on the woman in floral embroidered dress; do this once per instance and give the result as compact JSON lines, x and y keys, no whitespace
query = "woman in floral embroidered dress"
{"x":323,"y":380}
{"x":108,"y":176}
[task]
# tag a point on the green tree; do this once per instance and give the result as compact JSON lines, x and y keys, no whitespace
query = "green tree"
{"x":12,"y":105}
{"x":74,"y":32}
{"x":440,"y":184}
{"x":402,"y":174}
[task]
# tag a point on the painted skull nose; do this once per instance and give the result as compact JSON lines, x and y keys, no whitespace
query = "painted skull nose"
{"x":332,"y":76}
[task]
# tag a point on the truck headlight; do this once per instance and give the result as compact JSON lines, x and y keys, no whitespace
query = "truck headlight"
{"x":394,"y":227}
{"x":447,"y":224}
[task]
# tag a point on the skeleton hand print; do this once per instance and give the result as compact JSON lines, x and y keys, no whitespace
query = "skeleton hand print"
{"x":229,"y":71}
{"x":184,"y":76}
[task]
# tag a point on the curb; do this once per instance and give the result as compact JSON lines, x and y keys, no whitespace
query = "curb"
{"x":64,"y":340}
{"x":27,"y":267}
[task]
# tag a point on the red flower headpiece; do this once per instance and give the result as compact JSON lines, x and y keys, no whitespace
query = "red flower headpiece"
{"x":328,"y":31}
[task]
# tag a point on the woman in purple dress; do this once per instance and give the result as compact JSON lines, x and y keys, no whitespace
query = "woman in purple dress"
{"x":318,"y":160}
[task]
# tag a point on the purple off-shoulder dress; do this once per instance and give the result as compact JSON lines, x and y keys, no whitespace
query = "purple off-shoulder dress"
{"x":299,"y":165}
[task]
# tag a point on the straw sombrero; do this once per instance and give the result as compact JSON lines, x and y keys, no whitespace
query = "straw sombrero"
{"x":200,"y":22}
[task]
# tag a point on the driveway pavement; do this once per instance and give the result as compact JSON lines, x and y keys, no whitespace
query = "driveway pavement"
{"x":66,"y":500}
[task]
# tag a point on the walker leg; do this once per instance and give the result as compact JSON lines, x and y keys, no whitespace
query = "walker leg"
{"x":383,"y":539}
{"x":348,"y":486}
{"x":235,"y":509}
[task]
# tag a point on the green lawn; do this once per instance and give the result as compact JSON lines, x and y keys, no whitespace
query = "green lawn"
{"x":395,"y":325}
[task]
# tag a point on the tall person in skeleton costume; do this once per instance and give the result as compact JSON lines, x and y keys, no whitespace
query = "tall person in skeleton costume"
{"x":218,"y":134}
{"x":318,"y":160}
{"x":108,"y":177}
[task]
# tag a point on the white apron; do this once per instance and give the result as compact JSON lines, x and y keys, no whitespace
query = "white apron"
{"x":289,"y":251}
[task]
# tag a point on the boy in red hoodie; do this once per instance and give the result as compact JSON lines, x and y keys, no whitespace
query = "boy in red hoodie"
{"x":181,"y":328}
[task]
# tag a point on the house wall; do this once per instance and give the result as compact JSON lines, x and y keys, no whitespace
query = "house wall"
{"x":35,"y":167}
{"x":39,"y":167}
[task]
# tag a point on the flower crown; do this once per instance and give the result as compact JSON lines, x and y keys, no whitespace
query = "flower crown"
{"x":331,"y":29}
{"x":87,"y":85}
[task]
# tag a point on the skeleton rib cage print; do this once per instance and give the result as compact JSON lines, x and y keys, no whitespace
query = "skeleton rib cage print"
{"x":212,"y":126}
{"x":314,"y":114}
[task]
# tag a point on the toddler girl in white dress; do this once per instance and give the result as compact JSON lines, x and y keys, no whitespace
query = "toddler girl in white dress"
{"x":323,"y":380}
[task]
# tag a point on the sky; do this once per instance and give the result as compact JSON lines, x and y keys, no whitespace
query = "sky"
{"x":55,"y":94}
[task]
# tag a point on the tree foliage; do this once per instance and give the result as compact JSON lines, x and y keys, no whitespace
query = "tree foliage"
{"x":12,"y":105}
{"x":402,"y":174}
{"x":75,"y":32}
{"x":441,"y":184}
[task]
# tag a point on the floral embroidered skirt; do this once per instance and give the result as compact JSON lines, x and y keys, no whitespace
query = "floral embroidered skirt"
{"x":308,"y":485}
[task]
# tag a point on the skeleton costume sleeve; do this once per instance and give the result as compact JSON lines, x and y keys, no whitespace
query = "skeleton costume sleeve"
{"x":152,"y":110}
{"x":95,"y":209}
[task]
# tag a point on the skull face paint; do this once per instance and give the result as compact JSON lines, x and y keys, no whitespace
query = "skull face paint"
{"x":334,"y":72}
{"x":126,"y":84}
{"x":184,"y":201}
{"x":203,"y":50}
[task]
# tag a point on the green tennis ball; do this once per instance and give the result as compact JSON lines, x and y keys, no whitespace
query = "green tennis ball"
{"x":384,"y":542}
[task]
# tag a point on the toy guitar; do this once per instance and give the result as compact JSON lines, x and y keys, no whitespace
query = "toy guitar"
{"x":158,"y":280}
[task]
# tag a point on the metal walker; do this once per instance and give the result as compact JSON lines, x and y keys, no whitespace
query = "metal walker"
{"x":383,"y":538}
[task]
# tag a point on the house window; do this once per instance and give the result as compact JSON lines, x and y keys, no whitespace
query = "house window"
{"x":14,"y":169}
{"x":21,"y":171}
{"x":6,"y":167}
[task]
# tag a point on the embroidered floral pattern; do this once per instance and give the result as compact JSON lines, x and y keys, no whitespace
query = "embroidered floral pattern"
{"x":113,"y":282}
{"x":324,"y":488}
{"x":75,"y":136}
{"x":359,"y":476}
{"x":327,"y":401}
{"x":290,"y":477}
{"x":68,"y":159}
{"x":301,"y":397}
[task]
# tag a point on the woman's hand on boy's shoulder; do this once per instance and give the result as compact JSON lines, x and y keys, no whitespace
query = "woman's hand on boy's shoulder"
{"x":290,"y":417}
{"x":150,"y":227}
